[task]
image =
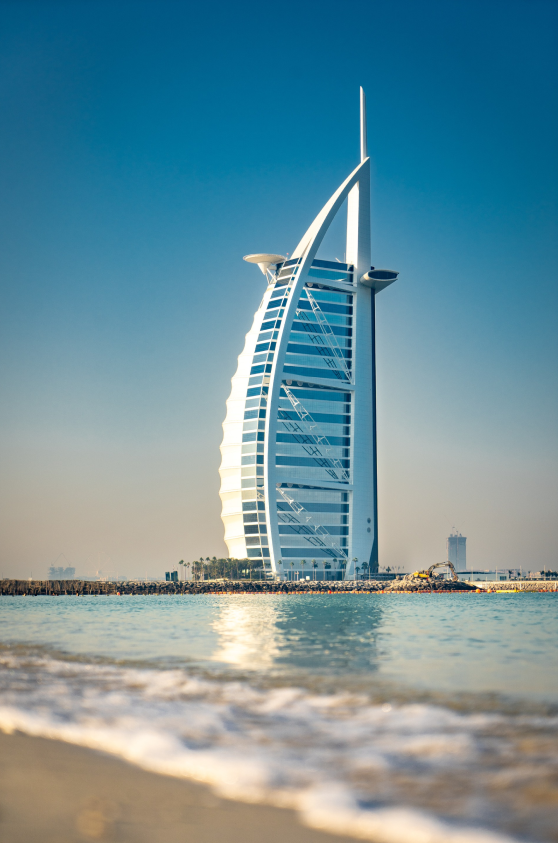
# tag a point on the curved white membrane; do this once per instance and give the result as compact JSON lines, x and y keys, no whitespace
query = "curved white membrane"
{"x":413,"y":773}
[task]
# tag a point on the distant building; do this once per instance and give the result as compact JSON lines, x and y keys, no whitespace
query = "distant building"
{"x":510,"y":574}
{"x":61,"y":573}
{"x":457,"y":551}
{"x":171,"y":576}
{"x":484,"y":576}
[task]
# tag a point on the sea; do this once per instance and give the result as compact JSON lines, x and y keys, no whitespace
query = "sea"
{"x":391,"y":718}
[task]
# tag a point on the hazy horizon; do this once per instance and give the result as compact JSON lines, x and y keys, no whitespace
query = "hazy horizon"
{"x":147,"y":147}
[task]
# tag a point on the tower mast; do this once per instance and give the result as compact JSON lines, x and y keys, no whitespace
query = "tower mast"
{"x":363,"y":144}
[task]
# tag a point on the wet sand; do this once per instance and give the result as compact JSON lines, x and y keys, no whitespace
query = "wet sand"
{"x":55,"y":792}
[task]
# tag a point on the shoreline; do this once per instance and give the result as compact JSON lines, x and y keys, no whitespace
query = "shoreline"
{"x":85,"y":588}
{"x":52,"y":790}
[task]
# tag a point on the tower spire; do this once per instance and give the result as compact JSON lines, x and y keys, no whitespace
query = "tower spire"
{"x":363,"y":144}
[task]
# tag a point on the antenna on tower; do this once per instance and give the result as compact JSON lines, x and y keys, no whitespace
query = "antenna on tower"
{"x":363,"y":144}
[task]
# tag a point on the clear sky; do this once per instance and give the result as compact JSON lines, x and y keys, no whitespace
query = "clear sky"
{"x":147,"y":146}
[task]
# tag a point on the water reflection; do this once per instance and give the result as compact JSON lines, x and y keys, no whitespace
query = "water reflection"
{"x":248,"y":633}
{"x":316,"y":634}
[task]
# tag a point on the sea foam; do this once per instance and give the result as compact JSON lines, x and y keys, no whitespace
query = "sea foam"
{"x":388,"y":773}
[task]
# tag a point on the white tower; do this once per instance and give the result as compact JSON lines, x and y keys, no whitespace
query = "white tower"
{"x":299,"y":463}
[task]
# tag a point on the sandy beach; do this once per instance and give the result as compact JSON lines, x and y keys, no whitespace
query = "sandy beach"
{"x":54,"y":792}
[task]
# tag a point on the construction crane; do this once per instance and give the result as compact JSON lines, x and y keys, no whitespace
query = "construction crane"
{"x":316,"y":439}
{"x":319,"y":531}
{"x":328,"y":334}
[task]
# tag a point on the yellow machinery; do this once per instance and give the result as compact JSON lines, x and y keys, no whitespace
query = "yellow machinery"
{"x":425,"y":575}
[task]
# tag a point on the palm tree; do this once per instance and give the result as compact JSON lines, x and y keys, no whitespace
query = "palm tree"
{"x":314,"y":566}
{"x":279,"y":562}
{"x":303,"y":563}
{"x":207,"y":569}
{"x":292,"y":566}
{"x":355,"y":560}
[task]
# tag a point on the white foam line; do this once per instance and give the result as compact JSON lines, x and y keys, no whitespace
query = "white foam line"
{"x":151,"y":750}
{"x":333,"y":809}
{"x":330,"y":808}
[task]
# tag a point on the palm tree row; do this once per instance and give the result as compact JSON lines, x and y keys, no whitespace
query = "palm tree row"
{"x":213,"y":568}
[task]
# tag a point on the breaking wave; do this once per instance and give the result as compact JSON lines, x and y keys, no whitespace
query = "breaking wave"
{"x":393,"y":773}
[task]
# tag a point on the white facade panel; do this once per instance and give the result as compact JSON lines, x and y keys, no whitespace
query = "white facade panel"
{"x":237,"y":548}
{"x":234,"y":526}
{"x":235,"y":410}
{"x":231,"y":502}
{"x":230,"y":479}
{"x":230,"y":457}
{"x":232,"y":433}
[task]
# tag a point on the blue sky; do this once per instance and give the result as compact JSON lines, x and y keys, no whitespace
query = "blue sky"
{"x":147,"y":146}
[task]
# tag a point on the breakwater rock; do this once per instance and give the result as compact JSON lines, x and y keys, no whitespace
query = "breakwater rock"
{"x":82,"y":588}
{"x":420,"y":583}
{"x":57,"y":588}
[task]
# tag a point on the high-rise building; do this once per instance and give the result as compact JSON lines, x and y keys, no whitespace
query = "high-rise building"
{"x":457,"y":551}
{"x":61,"y":573}
{"x":299,"y":465}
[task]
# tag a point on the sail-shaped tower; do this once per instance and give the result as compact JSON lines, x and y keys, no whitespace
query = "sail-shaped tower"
{"x":299,"y":463}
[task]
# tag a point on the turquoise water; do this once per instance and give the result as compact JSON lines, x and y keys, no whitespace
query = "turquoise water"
{"x":503,"y":644}
{"x":432,"y":712}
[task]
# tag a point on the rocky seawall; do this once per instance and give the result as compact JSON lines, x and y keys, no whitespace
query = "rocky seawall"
{"x":58,"y":588}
